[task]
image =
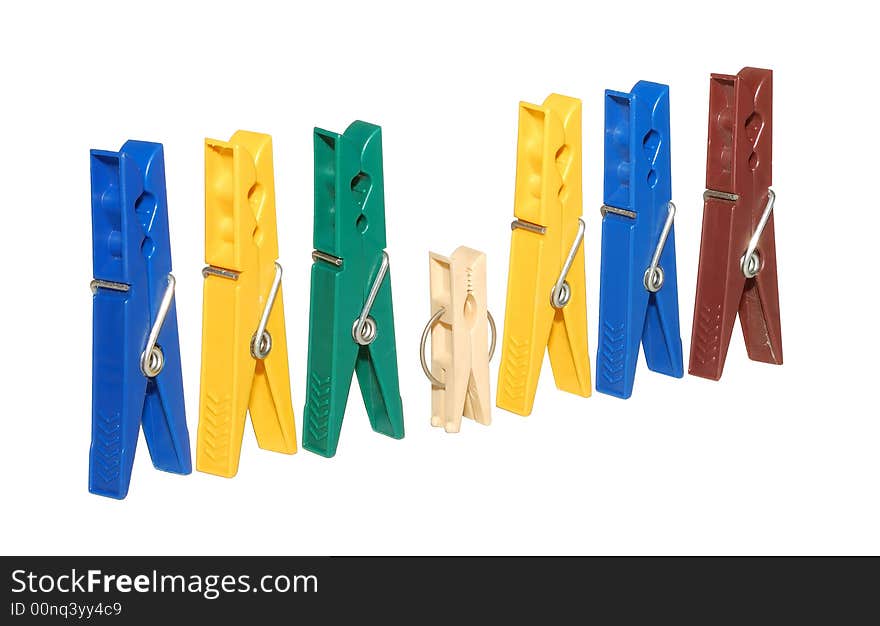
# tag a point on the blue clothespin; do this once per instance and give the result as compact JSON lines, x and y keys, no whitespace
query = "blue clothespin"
{"x":136,"y":374}
{"x":638,"y":292}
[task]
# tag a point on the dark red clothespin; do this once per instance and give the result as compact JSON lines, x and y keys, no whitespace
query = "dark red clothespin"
{"x":738,"y":249}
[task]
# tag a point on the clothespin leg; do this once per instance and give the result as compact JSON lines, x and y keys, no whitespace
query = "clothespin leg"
{"x":759,"y":306}
{"x":164,"y":416}
{"x":470,"y":410}
{"x":468,"y":389}
{"x":527,"y":320}
{"x":477,"y":398}
{"x":332,"y":353}
{"x":271,"y":405}
{"x":227,"y":372}
{"x":117,"y":399}
{"x":376,"y":368}
{"x":621,"y":308}
{"x":661,"y":339}
{"x":717,"y":299}
{"x":441,"y":364}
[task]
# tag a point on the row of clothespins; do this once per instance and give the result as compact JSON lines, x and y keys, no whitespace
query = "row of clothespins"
{"x":136,"y":359}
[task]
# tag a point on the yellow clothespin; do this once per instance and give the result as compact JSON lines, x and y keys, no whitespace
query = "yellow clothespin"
{"x":459,"y":371}
{"x":546,"y":293}
{"x":244,"y":343}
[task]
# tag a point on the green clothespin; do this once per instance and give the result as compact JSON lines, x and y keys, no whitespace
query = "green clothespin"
{"x":351,"y":321}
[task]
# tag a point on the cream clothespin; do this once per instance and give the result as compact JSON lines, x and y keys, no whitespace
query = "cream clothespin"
{"x":459,"y":371}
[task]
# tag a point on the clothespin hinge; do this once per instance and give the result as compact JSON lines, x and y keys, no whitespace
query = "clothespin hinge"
{"x":152,"y":358}
{"x":720,"y":195}
{"x":211,"y":270}
{"x":107,"y":284}
{"x":751,"y":261}
{"x":654,"y":274}
{"x":317,"y":255}
{"x":261,"y":343}
{"x":604,"y":209}
{"x":529,"y":226}
{"x":561,"y":292}
{"x":364,"y":329}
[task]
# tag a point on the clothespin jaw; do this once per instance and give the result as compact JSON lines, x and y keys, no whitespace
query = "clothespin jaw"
{"x":349,"y":168}
{"x":459,"y":327}
{"x":351,"y":323}
{"x":737,"y":270}
{"x":136,"y":373}
{"x":244,"y":341}
{"x":546,"y":291}
{"x":638,"y":296}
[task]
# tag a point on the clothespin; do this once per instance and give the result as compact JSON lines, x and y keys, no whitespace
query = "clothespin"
{"x":458,"y":328}
{"x":244,"y":343}
{"x":351,"y":323}
{"x":638,"y":291}
{"x":136,"y":376}
{"x":546,"y":292}
{"x":737,"y":268}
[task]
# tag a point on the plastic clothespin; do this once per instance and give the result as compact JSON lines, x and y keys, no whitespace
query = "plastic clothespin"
{"x":244,"y":343}
{"x":638,"y":295}
{"x":546,"y":292}
{"x":737,"y":268}
{"x":351,"y":323}
{"x":136,"y":376}
{"x":458,"y":328}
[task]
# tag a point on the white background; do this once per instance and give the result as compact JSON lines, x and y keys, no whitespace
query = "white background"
{"x":769,"y":460}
